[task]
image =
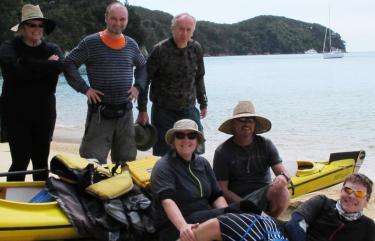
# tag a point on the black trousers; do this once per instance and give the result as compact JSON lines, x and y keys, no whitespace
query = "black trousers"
{"x":30,"y":128}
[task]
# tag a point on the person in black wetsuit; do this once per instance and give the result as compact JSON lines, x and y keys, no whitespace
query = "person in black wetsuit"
{"x":30,"y":68}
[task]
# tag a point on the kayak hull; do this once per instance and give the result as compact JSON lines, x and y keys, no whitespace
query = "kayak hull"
{"x":314,"y":176}
{"x":24,"y":221}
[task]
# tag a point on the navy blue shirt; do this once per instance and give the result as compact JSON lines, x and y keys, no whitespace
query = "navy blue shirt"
{"x":191,"y":184}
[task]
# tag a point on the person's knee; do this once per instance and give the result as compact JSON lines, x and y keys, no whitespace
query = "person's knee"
{"x":209,"y":230}
{"x":278,"y":200}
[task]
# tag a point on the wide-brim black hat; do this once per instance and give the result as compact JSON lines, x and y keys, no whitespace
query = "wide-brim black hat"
{"x":145,"y":136}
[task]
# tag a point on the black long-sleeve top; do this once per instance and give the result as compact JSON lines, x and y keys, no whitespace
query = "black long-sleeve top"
{"x":28,"y":74}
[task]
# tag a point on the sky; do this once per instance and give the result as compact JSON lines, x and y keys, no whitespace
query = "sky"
{"x":354,"y":20}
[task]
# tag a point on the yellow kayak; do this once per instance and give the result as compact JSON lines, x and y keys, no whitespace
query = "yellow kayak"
{"x":24,"y":221}
{"x":310,"y":176}
{"x":313,"y":176}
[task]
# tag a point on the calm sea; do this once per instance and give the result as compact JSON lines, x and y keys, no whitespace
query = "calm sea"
{"x":317,"y":106}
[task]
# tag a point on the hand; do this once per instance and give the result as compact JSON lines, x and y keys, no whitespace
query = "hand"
{"x":203,"y":112}
{"x":280,"y":180}
{"x":142,"y":118}
{"x":93,"y":96}
{"x":133,"y":94}
{"x":54,"y":57}
{"x":186,"y":232}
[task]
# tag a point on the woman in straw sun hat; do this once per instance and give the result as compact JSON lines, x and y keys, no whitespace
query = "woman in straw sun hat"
{"x":30,"y":68}
{"x":184,"y":186}
{"x":242,"y":163}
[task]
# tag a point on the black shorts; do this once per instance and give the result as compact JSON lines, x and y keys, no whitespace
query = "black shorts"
{"x":259,"y":198}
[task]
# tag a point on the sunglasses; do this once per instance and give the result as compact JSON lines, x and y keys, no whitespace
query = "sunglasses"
{"x":33,"y":25}
{"x":182,"y":135}
{"x":359,"y":194}
{"x":250,"y":120}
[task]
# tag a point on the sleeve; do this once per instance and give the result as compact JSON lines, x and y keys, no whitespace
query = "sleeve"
{"x":311,"y":209}
{"x":7,"y":53}
{"x":296,"y":228}
{"x":140,"y":72}
{"x":220,"y":165}
{"x":199,"y":79}
{"x":151,"y":69}
{"x":45,"y":66}
{"x":273,"y":154}
{"x":162,"y":181}
{"x":78,"y":56}
{"x":10,"y":64}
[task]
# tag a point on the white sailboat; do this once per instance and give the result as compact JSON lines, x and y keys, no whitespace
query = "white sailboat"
{"x":330,"y":52}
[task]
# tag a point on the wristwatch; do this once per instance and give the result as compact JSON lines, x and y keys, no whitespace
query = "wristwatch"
{"x":286,"y":176}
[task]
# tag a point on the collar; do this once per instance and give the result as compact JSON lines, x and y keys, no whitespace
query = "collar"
{"x":347,"y":216}
{"x":112,"y":42}
{"x":175,"y":155}
{"x":175,"y":46}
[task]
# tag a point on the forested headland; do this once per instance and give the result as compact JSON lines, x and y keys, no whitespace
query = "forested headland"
{"x":258,"y":35}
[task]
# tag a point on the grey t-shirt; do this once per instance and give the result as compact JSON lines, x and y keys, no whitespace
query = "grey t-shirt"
{"x":246,"y":168}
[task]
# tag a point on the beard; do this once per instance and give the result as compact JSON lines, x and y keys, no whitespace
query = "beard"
{"x":115,"y":30}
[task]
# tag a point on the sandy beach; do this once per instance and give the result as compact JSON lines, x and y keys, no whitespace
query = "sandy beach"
{"x":67,"y":142}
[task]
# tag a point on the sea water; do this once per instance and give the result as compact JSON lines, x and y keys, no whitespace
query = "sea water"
{"x":316,"y":106}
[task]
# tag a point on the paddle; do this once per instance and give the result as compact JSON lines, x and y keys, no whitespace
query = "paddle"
{"x":17,"y":173}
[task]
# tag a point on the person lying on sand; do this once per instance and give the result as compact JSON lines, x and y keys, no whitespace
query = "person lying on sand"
{"x":319,"y":218}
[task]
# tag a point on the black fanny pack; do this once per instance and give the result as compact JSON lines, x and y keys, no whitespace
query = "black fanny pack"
{"x":112,"y":111}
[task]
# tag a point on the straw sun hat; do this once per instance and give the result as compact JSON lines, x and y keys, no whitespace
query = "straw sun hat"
{"x":246,"y":109}
{"x":30,"y":12}
{"x":183,"y":125}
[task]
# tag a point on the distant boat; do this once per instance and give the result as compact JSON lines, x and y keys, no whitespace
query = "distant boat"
{"x":331,"y":52}
{"x":311,"y":51}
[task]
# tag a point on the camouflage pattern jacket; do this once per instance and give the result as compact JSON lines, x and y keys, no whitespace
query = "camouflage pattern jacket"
{"x":175,"y":77}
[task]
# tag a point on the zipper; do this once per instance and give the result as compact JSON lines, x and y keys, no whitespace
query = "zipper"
{"x":197,"y":179}
{"x":335,"y":232}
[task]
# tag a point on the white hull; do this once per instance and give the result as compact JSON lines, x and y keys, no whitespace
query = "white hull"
{"x":333,"y":55}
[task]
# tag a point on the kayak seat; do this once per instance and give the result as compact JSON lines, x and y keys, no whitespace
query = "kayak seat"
{"x":307,"y":168}
{"x":355,"y":155}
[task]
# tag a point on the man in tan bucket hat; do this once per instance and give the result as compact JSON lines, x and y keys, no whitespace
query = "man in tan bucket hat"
{"x":242,"y":163}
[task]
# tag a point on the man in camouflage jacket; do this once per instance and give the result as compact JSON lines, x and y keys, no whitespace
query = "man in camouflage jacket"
{"x":175,"y":75}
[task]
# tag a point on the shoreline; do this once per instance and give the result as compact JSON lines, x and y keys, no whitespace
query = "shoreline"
{"x":67,"y":141}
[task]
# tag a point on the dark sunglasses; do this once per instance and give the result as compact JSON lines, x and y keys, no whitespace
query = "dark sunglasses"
{"x":250,"y":120}
{"x":359,"y":194}
{"x":33,"y":25}
{"x":182,"y":135}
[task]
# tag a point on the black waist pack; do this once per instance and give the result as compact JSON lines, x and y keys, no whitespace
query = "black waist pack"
{"x":114,"y":111}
